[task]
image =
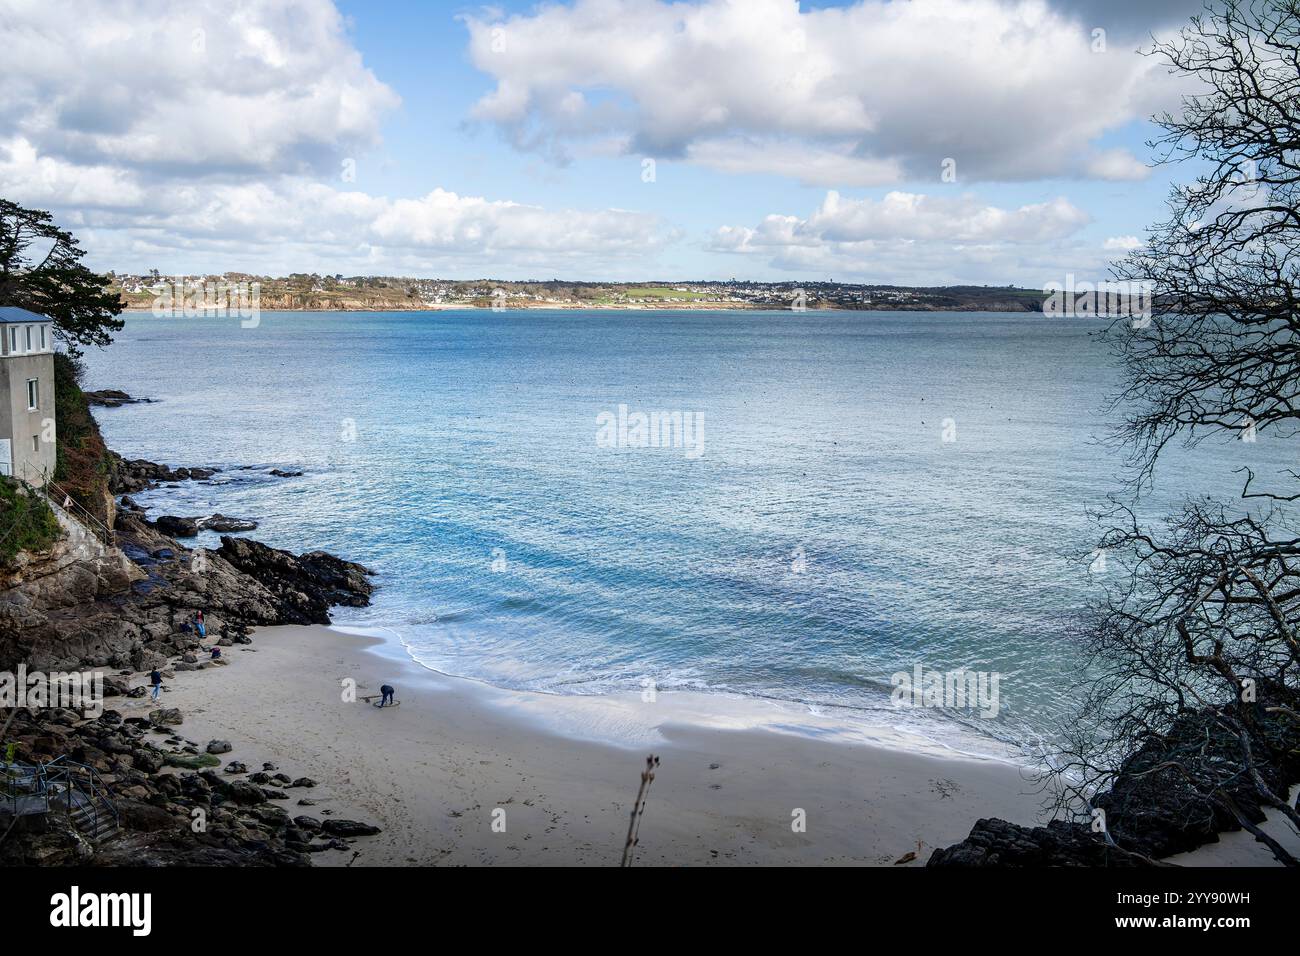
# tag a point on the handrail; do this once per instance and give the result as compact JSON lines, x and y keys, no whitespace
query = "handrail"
{"x":97,"y":527}
{"x":70,"y":504}
{"x":83,"y":779}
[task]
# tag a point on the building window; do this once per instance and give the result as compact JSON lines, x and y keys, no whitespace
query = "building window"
{"x":42,"y":338}
{"x":13,"y":339}
{"x":28,"y":347}
{"x":33,"y":394}
{"x":36,"y":444}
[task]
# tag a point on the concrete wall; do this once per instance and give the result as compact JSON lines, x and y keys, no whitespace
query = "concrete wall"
{"x":18,"y":424}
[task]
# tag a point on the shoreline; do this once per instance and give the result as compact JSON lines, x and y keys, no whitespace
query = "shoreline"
{"x":458,"y":756}
{"x":596,"y":307}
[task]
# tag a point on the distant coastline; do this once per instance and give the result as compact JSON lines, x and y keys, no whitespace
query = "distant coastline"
{"x":584,"y":306}
{"x":315,"y":293}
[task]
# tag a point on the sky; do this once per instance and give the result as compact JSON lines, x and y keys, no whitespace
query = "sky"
{"x":919,"y":142}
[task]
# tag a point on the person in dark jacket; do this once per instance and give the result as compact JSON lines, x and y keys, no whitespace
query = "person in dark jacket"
{"x":156,"y":679}
{"x":388,"y":692}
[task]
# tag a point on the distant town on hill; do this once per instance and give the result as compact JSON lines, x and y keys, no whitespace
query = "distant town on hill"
{"x":301,"y":291}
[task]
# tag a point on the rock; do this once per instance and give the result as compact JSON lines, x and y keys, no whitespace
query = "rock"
{"x":219,"y":746}
{"x":995,"y":842}
{"x":135,"y":815}
{"x":348,"y":828}
{"x":148,"y":761}
{"x":286,"y":474}
{"x":268,"y":766}
{"x":129,"y":476}
{"x":307,"y":585}
{"x":245,"y":793}
{"x":329,"y":845}
{"x":113,"y":398}
{"x":303,"y":782}
{"x":116,"y":687}
{"x":261,"y":778}
{"x":223,"y":523}
{"x":166,"y":717}
{"x":310,"y":824}
{"x":236,"y":767}
{"x":1152,"y":811}
{"x":176,"y":527}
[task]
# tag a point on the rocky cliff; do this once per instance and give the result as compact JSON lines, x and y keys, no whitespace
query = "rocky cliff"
{"x":85,"y":604}
{"x":1177,"y":792}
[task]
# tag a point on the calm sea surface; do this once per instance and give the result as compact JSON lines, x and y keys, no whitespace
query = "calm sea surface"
{"x":821,"y":537}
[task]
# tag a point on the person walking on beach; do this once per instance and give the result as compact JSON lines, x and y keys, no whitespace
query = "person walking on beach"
{"x":387,"y":691}
{"x":156,"y":679}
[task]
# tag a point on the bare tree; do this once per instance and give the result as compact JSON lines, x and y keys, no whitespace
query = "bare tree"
{"x":1191,"y":703}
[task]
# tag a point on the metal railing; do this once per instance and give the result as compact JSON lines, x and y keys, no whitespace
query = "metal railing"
{"x":62,"y":499}
{"x":22,"y":789}
{"x":65,"y":780}
{"x":61,"y":784}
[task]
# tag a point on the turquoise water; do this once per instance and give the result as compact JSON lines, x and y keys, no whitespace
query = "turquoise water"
{"x":821,"y":537}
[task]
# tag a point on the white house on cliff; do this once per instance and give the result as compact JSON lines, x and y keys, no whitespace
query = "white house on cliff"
{"x":27,"y":448}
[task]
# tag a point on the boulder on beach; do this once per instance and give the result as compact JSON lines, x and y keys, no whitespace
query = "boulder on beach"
{"x":166,"y":717}
{"x":349,"y":828}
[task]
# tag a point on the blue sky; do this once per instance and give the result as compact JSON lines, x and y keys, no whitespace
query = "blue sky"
{"x":788,"y":141}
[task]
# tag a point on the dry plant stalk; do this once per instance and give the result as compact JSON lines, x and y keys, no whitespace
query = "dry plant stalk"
{"x":638,"y":809}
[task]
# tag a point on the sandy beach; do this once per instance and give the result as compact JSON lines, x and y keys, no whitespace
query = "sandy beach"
{"x":432,"y":771}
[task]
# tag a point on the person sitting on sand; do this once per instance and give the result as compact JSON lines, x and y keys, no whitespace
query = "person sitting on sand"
{"x":388,"y":692}
{"x":156,"y":679}
{"x":216,"y":652}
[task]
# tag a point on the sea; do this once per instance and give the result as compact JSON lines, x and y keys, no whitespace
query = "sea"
{"x":796,"y":507}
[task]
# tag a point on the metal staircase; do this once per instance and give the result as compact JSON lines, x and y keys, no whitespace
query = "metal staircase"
{"x":81,"y":793}
{"x":60,"y":786}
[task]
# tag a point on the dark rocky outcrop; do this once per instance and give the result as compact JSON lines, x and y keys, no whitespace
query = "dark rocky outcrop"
{"x":180,"y":527}
{"x":84,"y":604}
{"x":128,"y":476}
{"x":226,"y":524}
{"x":113,"y":398}
{"x":994,"y":842}
{"x":305,"y":586}
{"x":176,"y":527}
{"x":1152,"y":810}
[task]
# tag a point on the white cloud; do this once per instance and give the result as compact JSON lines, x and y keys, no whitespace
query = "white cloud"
{"x":204,"y":87}
{"x":927,"y":238}
{"x":1010,"y":89}
{"x":260,"y":225}
{"x":1122,"y":244}
{"x":210,"y":135}
{"x":1117,"y":164}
